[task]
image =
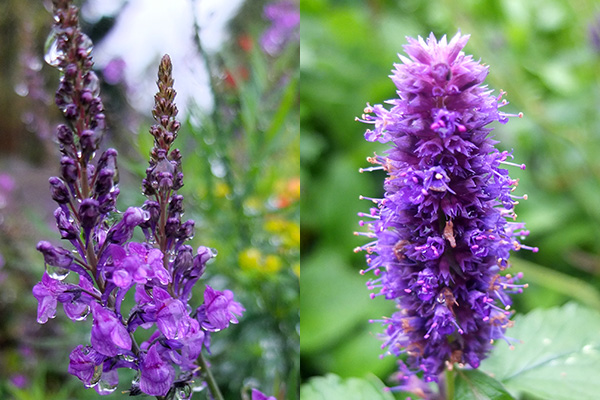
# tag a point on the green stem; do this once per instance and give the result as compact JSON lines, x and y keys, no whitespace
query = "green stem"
{"x":210,"y":379}
{"x":450,"y":375}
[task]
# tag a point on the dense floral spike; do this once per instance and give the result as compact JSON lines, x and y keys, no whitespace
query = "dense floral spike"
{"x":441,"y":238}
{"x":162,"y":271}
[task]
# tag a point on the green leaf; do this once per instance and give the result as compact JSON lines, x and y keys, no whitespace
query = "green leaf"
{"x":558,"y":356}
{"x":476,"y":385}
{"x":332,"y":387}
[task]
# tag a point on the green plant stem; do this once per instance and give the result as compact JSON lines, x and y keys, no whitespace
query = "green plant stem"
{"x":210,"y":379}
{"x":450,"y":374}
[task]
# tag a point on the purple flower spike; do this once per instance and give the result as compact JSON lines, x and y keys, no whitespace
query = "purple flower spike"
{"x":441,"y":238}
{"x":109,"y":336}
{"x":157,"y":376}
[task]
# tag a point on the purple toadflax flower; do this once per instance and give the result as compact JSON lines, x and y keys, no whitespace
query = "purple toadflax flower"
{"x":441,"y":233}
{"x":161,"y":271}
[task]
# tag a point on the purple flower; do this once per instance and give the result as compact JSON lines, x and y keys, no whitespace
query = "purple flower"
{"x":109,"y":336}
{"x":441,"y":235}
{"x":258,"y":395}
{"x":86,"y":364}
{"x":157,"y":375}
{"x":219,"y":309}
{"x":285,"y":18}
{"x":46,"y":292}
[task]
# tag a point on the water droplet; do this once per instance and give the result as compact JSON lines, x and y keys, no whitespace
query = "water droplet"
{"x":52,"y":55}
{"x":214,"y":252}
{"x":96,"y":377}
{"x":92,"y":83}
{"x":183,"y":393}
{"x":198,"y":386}
{"x":82,"y":316}
{"x":105,"y":388}
{"x":145,"y":215}
{"x":57,"y":273}
{"x":85,"y":43}
{"x":21,"y":89}
{"x":128,"y":358}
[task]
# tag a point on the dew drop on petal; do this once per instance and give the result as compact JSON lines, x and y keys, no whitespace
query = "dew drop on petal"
{"x":105,"y":388}
{"x":52,"y":55}
{"x":57,"y":273}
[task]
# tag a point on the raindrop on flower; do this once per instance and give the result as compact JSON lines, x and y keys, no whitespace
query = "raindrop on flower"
{"x":57,"y":273}
{"x":52,"y":55}
{"x":82,"y":316}
{"x":92,"y":83}
{"x":85,"y":43}
{"x":128,"y":358}
{"x":105,"y":388}
{"x":95,"y":378}
{"x":183,"y":393}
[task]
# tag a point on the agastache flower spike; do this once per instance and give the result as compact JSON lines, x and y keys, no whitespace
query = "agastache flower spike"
{"x":441,"y":235}
{"x":162,"y":271}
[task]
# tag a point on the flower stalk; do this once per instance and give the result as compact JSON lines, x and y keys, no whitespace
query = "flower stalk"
{"x":441,"y":236}
{"x":106,"y":264}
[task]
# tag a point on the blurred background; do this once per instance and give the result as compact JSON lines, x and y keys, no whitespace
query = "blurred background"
{"x":545,"y":54}
{"x":236,"y":72}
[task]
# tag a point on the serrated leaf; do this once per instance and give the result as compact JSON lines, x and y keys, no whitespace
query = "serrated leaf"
{"x":332,"y":387}
{"x":557,"y":357}
{"x":477,"y":385}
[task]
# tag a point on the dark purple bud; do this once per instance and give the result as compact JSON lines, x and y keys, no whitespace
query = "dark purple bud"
{"x":104,"y":182}
{"x":153,"y":210}
{"x":176,"y":205}
{"x":183,"y":261}
{"x":178,"y":182}
{"x":65,"y":226}
{"x":96,"y":106}
{"x":64,"y":135}
{"x":107,"y":202}
{"x":186,"y":231}
{"x":165,"y":180}
{"x":70,"y":111}
{"x":88,"y":213}
{"x":86,"y":96}
{"x":108,"y":159}
{"x":172,"y":227}
{"x":68,"y":169}
{"x":59,"y":191}
{"x":123,"y":230}
{"x":99,"y":122}
{"x":55,"y":256}
{"x":88,"y":142}
{"x":71,"y":71}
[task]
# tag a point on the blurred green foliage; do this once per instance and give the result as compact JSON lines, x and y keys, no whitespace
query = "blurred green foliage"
{"x":541,"y":54}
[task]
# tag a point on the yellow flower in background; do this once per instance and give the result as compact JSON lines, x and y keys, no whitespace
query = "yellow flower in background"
{"x":222,"y":190}
{"x":252,"y":260}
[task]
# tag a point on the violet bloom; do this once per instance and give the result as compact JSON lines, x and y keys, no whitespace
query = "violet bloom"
{"x":157,"y":375}
{"x":219,"y":309}
{"x":285,"y":21}
{"x":258,"y":395}
{"x":441,"y":238}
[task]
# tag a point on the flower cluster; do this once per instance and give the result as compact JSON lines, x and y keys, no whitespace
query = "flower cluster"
{"x":441,"y":235}
{"x":107,"y":264}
